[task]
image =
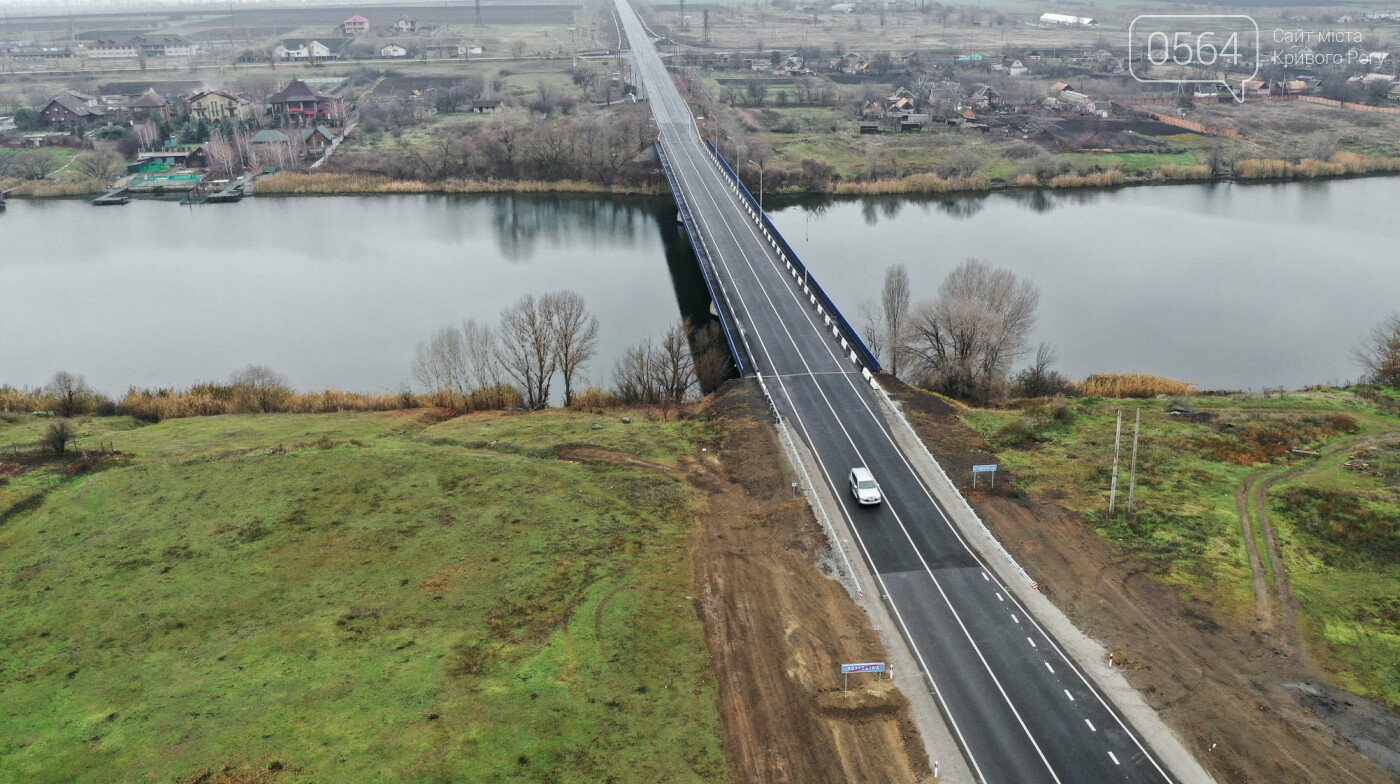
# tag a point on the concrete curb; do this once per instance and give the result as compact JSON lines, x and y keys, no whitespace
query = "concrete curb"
{"x":1087,"y":653}
{"x":942,"y":750}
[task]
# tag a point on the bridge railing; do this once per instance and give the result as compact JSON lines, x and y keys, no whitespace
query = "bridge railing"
{"x":722,"y":300}
{"x":791,"y":256}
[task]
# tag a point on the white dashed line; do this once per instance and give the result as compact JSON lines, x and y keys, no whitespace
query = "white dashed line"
{"x":1071,"y":696}
{"x":1032,"y":642}
{"x":985,"y":577}
{"x":1048,"y":667}
{"x":1014,"y":618}
{"x":1115,"y":759}
{"x":1000,"y":598}
{"x":1091,"y":725}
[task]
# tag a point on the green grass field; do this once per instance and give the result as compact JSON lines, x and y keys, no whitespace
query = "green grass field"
{"x":354,"y":597}
{"x":1344,"y":565}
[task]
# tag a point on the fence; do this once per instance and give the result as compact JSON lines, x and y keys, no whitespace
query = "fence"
{"x":789,"y":256}
{"x":36,"y":449}
{"x":706,"y":269}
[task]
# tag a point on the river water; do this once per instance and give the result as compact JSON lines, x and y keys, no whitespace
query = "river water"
{"x":1228,"y":286}
{"x":1225,"y":285}
{"x":331,"y":292}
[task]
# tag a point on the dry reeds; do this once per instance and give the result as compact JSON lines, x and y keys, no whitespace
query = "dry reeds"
{"x":1339,"y":165}
{"x":53,"y":189}
{"x":156,"y":405}
{"x":1028,"y":180}
{"x":1134,"y":385}
{"x":915,"y":183}
{"x":1101,"y":179}
{"x":334,"y":183}
{"x":1182,"y":173}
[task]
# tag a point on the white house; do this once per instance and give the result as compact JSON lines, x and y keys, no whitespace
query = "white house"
{"x":393,"y":50}
{"x":299,"y":49}
{"x":1070,"y":21}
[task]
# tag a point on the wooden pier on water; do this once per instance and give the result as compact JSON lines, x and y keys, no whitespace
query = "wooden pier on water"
{"x":119,"y":195}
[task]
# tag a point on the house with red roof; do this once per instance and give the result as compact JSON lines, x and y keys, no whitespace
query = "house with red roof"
{"x":355,"y":25}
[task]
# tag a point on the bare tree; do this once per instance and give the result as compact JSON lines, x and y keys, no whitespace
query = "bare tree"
{"x":574,"y":334}
{"x":70,"y":392}
{"x":873,"y":328}
{"x":526,"y":350}
{"x":632,"y":376}
{"x":99,"y":165}
{"x":894,"y":304}
{"x":713,"y":364}
{"x":480,"y":343}
{"x":673,"y":368}
{"x":442,"y":364}
{"x":1379,"y":352}
{"x":963,"y":343}
{"x":260,"y":389}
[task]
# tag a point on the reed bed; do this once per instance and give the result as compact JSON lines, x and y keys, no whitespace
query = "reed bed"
{"x":1340,"y":165}
{"x":1134,"y":385}
{"x":54,"y":189}
{"x":156,"y":405}
{"x":1101,"y":179}
{"x":333,"y":183}
{"x":24,"y":400}
{"x":915,"y":183}
{"x":1182,"y":173}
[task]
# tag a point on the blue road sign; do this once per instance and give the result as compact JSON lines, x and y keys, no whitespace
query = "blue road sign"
{"x":863,"y":667}
{"x":983,"y":469}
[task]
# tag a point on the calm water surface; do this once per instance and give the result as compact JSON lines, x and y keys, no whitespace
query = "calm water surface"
{"x":1229,"y":286}
{"x":332,"y":292}
{"x":1225,"y":285}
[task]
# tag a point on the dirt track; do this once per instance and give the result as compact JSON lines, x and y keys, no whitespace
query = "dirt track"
{"x":778,"y":628}
{"x":1232,"y":694}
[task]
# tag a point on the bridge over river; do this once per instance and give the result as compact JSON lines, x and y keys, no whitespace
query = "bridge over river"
{"x":1019,"y":707}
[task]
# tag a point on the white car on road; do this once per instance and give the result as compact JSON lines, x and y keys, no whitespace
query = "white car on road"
{"x":864,"y":487}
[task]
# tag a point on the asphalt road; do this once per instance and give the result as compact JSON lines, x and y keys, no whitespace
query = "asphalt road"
{"x":1020,"y":709}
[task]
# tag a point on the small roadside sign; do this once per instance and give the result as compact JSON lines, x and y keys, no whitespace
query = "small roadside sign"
{"x":865,"y":667}
{"x":984,"y":469}
{"x":861,"y":667}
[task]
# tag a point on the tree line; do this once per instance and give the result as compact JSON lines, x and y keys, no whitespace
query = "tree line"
{"x":539,"y":339}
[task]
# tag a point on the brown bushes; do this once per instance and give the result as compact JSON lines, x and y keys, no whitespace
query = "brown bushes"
{"x":1183,"y":173}
{"x":330,"y":183}
{"x":216,"y":399}
{"x":1134,"y":385}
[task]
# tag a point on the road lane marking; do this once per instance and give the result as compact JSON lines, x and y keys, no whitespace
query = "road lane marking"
{"x":1048,"y":667}
{"x":1091,"y":725}
{"x":1115,"y":759}
{"x":999,"y":598}
{"x":1014,"y":619}
{"x":1071,"y":696}
{"x":985,"y":577}
{"x":1032,"y":642}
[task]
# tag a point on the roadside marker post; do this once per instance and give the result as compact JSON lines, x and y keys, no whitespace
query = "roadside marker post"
{"x":984,"y":469}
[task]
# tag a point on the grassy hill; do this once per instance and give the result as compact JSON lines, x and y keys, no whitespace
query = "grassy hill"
{"x":341,"y":598}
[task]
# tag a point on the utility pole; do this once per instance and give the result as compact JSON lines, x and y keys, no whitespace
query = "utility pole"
{"x":478,"y":13}
{"x":1113,"y":485}
{"x":682,"y":24}
{"x":706,"y":39}
{"x":1132,"y":471}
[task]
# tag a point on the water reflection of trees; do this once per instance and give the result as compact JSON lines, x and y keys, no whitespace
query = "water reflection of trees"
{"x":520,"y":223}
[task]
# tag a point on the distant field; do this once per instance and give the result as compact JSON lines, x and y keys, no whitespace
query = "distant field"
{"x":337,"y":598}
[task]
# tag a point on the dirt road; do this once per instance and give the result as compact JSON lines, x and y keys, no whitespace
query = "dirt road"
{"x":1232,"y":694}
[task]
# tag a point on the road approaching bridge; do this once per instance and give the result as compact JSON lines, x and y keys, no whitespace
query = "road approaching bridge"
{"x":1019,"y":707}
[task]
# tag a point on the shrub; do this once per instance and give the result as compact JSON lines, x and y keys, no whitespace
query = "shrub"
{"x":58,"y":434}
{"x":1021,"y":149}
